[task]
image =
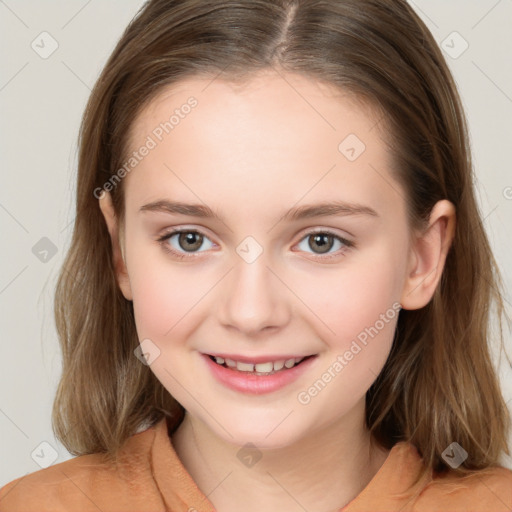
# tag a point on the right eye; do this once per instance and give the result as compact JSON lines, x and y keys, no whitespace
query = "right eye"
{"x":182,"y":241}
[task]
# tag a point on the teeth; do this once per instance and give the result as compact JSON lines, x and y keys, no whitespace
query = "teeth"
{"x":278,"y":365}
{"x":259,"y":367}
{"x":244,"y":367}
{"x":264,"y":367}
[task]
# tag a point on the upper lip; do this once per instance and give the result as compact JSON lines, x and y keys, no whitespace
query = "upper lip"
{"x":258,"y":359}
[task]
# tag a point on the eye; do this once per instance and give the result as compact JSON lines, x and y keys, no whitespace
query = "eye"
{"x":182,"y":241}
{"x":321,"y":242}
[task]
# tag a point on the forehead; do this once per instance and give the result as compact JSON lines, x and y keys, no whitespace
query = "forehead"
{"x":274,"y":136}
{"x":277,"y":97}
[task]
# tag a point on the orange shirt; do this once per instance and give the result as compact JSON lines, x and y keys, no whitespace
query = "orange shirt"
{"x":150,"y":477}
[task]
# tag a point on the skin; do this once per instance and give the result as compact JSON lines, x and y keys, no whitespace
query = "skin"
{"x":251,"y":153}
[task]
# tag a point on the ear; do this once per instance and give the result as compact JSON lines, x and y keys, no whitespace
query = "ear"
{"x":428,"y":255}
{"x":107,"y":209}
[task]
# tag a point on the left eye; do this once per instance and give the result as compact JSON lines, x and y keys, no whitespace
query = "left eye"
{"x":321,"y":242}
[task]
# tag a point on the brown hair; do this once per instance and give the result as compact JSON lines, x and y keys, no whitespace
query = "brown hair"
{"x":438,"y":384}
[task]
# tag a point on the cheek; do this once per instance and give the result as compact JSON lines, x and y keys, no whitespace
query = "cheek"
{"x":352,"y":297}
{"x":355,"y":313}
{"x":164,"y":293}
{"x":153,"y":305}
{"x":361,"y":324}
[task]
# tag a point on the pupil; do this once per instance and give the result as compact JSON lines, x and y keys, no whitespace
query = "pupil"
{"x":320,"y":241}
{"x":188,"y":238}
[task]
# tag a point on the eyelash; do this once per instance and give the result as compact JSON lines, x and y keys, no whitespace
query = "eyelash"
{"x":347,"y":243}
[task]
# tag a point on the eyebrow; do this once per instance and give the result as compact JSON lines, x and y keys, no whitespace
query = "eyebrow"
{"x":333,"y":208}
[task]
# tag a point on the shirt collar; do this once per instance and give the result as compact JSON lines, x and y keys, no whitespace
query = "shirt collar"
{"x":391,"y":488}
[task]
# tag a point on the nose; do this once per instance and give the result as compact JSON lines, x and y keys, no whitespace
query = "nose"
{"x":254,"y":298}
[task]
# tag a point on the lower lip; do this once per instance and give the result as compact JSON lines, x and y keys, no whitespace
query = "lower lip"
{"x":247,"y":382}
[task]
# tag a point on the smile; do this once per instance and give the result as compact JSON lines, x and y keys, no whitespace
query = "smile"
{"x":267,"y":368}
{"x":257,"y":377}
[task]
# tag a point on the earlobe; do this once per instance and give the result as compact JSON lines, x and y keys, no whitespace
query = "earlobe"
{"x":428,"y":256}
{"x":107,"y":209}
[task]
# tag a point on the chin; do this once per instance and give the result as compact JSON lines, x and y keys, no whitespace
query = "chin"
{"x":265,"y":435}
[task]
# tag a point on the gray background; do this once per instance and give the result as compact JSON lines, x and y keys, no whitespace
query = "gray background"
{"x":41,"y":101}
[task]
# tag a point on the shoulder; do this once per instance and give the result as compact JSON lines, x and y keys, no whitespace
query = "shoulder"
{"x":488,"y":490}
{"x":87,"y":482}
{"x":47,"y":485}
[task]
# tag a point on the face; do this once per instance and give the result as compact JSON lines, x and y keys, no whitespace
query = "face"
{"x":253,"y":274}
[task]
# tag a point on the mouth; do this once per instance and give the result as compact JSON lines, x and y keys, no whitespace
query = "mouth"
{"x":261,"y":369}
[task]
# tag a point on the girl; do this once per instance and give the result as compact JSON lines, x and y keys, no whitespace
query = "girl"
{"x":278,"y":289}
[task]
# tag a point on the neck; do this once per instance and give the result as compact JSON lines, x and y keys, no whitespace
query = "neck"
{"x":337,"y":461}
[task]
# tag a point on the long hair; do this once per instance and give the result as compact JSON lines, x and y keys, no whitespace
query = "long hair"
{"x":438,"y":384}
